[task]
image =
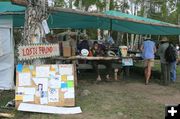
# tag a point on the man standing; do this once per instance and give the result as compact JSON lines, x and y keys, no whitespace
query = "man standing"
{"x":148,"y":50}
{"x":171,"y":57}
{"x":165,"y":66}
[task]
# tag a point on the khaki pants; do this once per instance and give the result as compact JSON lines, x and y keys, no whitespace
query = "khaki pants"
{"x":149,"y":61}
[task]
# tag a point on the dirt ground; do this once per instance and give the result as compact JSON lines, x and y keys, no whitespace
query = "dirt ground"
{"x":123,"y":99}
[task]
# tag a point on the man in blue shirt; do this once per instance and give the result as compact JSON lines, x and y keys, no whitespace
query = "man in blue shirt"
{"x":148,"y":49}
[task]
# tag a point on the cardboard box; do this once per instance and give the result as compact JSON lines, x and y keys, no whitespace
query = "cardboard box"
{"x":66,"y":51}
{"x":66,"y":43}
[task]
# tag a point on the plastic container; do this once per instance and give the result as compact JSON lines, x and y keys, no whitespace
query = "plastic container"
{"x":123,"y":51}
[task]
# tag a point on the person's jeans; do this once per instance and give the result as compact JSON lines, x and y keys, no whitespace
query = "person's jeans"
{"x":173,"y":71}
{"x":165,"y":73}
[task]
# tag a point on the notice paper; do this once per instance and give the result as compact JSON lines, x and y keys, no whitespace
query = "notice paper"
{"x":70,"y":77}
{"x":44,"y":100}
{"x":42,"y":71}
{"x":44,"y":97}
{"x":41,"y":83}
{"x":26,"y":70}
{"x":53,"y":95}
{"x":64,"y":78}
{"x":69,"y":95}
{"x":28,"y":98}
{"x":63,"y":85}
{"x":45,"y":26}
{"x":19,"y":97}
{"x":19,"y":67}
{"x":24,"y":79}
{"x":20,"y":90}
{"x":52,"y":74}
{"x":29,"y":91}
{"x":65,"y":69}
{"x":31,"y":67}
{"x":54,"y":68}
{"x":54,"y":83}
{"x":70,"y":84}
{"x":71,"y":90}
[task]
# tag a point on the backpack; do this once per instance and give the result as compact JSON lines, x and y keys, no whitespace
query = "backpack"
{"x":170,"y":54}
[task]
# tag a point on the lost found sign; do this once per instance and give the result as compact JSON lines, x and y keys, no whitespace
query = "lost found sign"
{"x":38,"y":51}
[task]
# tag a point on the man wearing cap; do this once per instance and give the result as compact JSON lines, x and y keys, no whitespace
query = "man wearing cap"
{"x":165,"y":66}
{"x":148,"y":50}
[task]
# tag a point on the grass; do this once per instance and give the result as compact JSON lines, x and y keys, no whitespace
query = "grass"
{"x":6,"y":96}
{"x":109,"y":100}
{"x":157,"y":66}
{"x":124,"y":99}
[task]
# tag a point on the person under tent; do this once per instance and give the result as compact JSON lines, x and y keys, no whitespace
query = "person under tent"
{"x":100,"y":50}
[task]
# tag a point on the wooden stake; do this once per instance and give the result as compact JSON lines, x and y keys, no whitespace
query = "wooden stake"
{"x":6,"y":115}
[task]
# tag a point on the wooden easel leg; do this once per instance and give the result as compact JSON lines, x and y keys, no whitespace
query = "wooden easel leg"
{"x":75,"y":73}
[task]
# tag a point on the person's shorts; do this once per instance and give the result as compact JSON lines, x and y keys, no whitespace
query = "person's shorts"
{"x":149,"y":61}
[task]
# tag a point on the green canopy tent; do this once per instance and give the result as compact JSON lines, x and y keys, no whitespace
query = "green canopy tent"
{"x":110,"y":20}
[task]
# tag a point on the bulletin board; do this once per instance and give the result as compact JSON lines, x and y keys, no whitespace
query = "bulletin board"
{"x":51,"y":85}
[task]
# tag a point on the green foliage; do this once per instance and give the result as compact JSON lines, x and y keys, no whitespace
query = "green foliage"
{"x":88,"y":3}
{"x":59,"y":3}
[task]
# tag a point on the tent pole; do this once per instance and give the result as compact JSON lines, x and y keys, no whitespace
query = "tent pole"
{"x":110,"y":29}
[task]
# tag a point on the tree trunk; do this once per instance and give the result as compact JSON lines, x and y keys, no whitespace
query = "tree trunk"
{"x":105,"y":33}
{"x":80,"y":4}
{"x":132,"y":41}
{"x":127,"y":35}
{"x":98,"y":30}
{"x":133,"y":13}
{"x":98,"y":34}
{"x":120,"y":36}
{"x":136,"y":42}
{"x":179,"y":24}
{"x":146,"y":8}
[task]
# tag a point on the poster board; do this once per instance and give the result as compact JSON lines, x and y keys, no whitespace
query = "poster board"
{"x":51,"y":85}
{"x":127,"y":62}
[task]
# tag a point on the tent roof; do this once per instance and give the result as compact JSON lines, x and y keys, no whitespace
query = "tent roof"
{"x":137,"y":18}
{"x":9,"y":7}
{"x":69,"y":18}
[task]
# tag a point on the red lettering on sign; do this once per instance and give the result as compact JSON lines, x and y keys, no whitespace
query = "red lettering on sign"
{"x":37,"y":51}
{"x":24,"y":53}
